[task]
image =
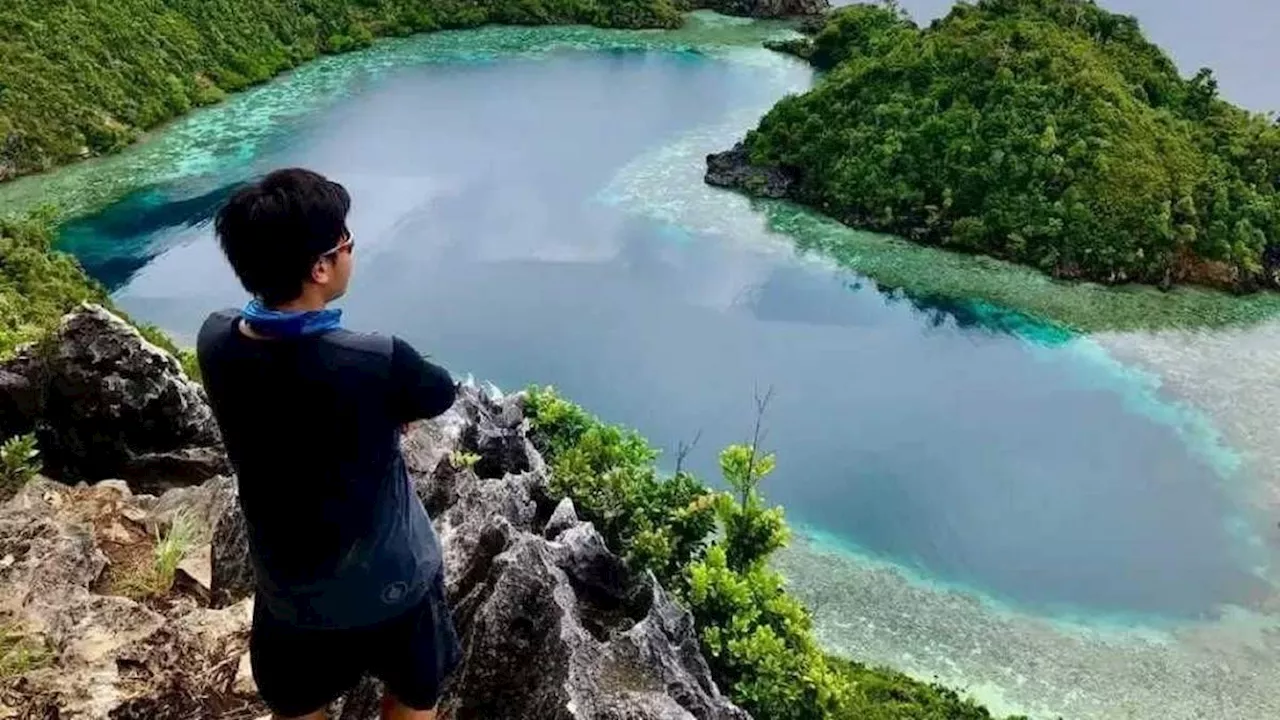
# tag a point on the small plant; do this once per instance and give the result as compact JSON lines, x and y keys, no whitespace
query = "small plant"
{"x":154,"y":579}
{"x":19,"y":462}
{"x":463,"y":460}
{"x":19,"y":653}
{"x":172,"y":547}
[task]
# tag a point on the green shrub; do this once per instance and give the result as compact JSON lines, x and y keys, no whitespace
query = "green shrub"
{"x":758,"y":639}
{"x":752,"y":532}
{"x":19,"y":462}
{"x":657,"y":523}
{"x":37,"y":284}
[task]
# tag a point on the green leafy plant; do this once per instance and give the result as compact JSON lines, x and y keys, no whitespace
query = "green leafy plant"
{"x":758,"y":639}
{"x":19,"y":462}
{"x":752,"y":531}
{"x":154,"y":577}
{"x":38,"y":285}
{"x":658,"y":523}
{"x":463,"y":460}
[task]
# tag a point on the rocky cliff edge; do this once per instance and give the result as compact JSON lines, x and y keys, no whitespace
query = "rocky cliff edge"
{"x":553,"y":624}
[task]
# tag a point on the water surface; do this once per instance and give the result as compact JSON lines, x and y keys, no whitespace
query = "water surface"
{"x":967,"y":453}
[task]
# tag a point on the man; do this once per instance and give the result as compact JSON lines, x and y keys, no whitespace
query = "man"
{"x":348,"y":569}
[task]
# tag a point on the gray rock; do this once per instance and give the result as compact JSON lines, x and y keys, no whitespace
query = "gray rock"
{"x":203,"y":504}
{"x":113,"y":657}
{"x":19,"y":396}
{"x":733,"y":169}
{"x":551,"y":629}
{"x":599,"y":653}
{"x":497,"y":434}
{"x":231,"y":578}
{"x":563,"y":518}
{"x":105,"y":403}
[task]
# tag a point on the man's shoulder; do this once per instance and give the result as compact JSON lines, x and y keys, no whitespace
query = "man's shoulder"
{"x":216,"y":327}
{"x":369,"y":343}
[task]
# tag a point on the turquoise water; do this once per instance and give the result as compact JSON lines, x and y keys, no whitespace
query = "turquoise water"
{"x":531,"y":212}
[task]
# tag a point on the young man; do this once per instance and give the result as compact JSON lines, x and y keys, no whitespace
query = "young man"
{"x":348,"y":569}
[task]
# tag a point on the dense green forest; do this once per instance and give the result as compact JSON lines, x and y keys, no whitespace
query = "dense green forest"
{"x":37,"y":285}
{"x":712,"y":549}
{"x":1046,"y":132}
{"x":86,"y":78}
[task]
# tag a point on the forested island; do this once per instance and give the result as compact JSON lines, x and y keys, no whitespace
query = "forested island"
{"x":1050,"y":133}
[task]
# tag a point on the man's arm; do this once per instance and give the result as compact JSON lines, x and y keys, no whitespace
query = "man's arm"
{"x":419,"y":389}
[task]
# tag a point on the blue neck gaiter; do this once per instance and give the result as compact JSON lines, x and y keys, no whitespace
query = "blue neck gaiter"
{"x":288,"y":324}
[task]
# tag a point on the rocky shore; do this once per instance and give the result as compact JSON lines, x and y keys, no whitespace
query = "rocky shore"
{"x":553,"y":623}
{"x":733,"y":169}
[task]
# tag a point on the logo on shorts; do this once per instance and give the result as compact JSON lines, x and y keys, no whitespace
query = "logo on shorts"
{"x":394,"y":593}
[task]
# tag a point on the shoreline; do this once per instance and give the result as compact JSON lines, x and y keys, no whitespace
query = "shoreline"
{"x":1013,"y":661}
{"x":1229,"y":375}
{"x":244,"y":118}
{"x":1079,"y":305}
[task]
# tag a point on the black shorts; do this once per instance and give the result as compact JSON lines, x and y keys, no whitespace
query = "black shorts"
{"x":299,"y":671}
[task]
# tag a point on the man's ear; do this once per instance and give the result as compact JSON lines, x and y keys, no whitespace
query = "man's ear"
{"x":321,"y":272}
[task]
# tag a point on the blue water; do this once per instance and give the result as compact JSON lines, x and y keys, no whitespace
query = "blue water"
{"x":919,"y":430}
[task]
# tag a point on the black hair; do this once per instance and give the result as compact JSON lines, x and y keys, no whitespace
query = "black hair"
{"x":273,"y":230}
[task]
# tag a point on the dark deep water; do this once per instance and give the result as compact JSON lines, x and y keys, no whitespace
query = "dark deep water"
{"x":972,"y":456}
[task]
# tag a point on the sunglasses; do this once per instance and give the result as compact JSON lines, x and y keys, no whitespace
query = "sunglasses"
{"x":348,"y":246}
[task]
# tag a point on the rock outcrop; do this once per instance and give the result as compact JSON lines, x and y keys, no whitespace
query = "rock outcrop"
{"x":766,"y":8}
{"x":68,"y":558}
{"x":608,"y":643}
{"x":733,"y":169}
{"x":553,"y":624}
{"x":105,"y":403}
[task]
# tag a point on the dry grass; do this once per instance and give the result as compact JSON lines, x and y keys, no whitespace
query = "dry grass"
{"x":20,"y":653}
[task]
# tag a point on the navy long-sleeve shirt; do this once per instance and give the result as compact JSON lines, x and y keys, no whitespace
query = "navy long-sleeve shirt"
{"x":312,"y":427}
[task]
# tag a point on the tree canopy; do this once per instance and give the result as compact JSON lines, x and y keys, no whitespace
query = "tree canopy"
{"x":1046,"y":132}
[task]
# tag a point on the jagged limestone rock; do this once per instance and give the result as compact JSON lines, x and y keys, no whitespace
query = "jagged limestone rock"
{"x":105,"y":403}
{"x":733,"y":169}
{"x":231,"y":578}
{"x":563,"y":518}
